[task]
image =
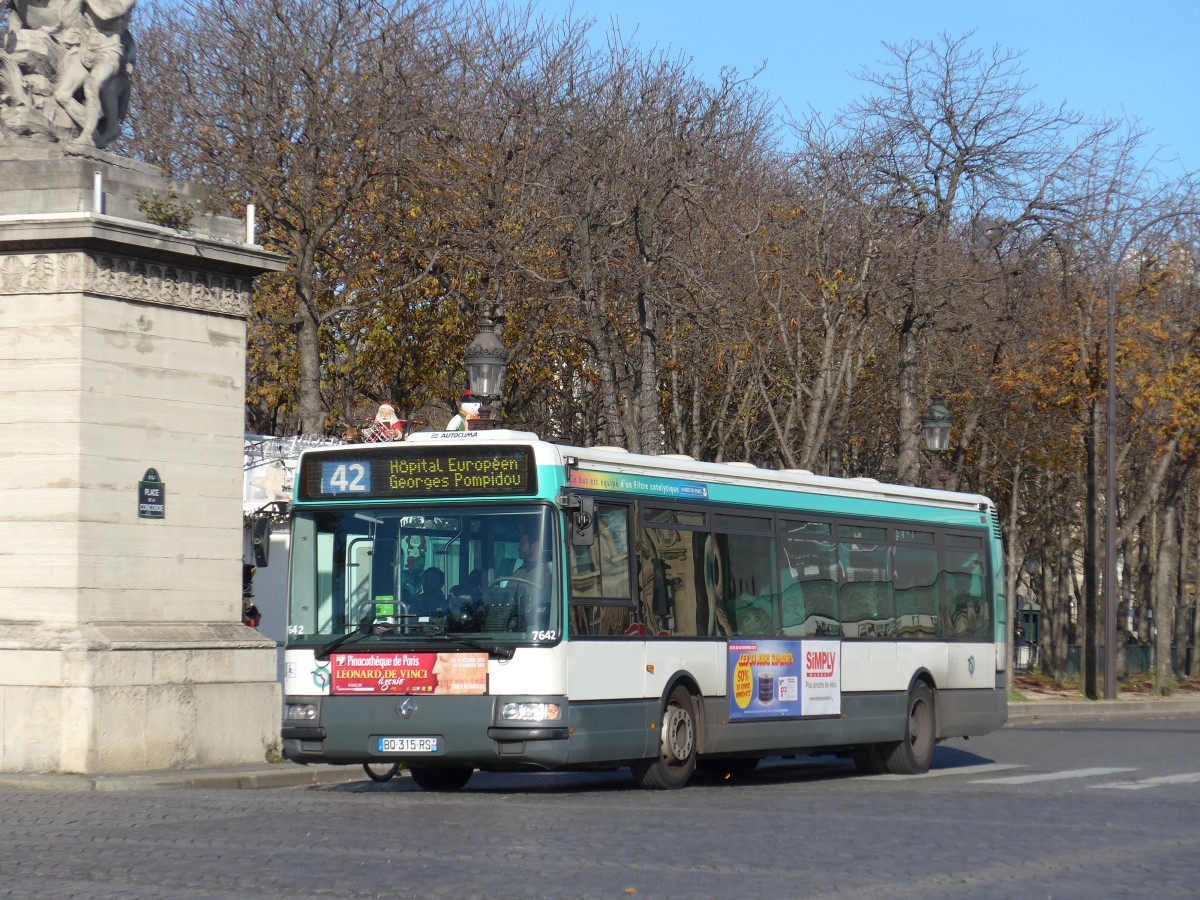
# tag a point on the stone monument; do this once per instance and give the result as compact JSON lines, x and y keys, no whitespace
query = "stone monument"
{"x":67,"y":69}
{"x":122,"y":381}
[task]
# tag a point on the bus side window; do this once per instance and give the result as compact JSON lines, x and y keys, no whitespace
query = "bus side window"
{"x":688,"y":572}
{"x":600,"y":584}
{"x":914,"y":576}
{"x":966,"y":613}
{"x":865,"y":591}
{"x":747,"y":601}
{"x":807,"y":579}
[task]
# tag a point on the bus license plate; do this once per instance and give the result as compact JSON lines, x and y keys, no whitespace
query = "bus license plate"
{"x":407,"y":745}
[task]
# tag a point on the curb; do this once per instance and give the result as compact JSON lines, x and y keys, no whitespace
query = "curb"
{"x":1040,"y":712}
{"x":244,"y":778}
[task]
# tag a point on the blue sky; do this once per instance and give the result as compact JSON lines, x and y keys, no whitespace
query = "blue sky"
{"x":1104,"y":58}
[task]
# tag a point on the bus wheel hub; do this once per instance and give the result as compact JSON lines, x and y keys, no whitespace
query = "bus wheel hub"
{"x":679,"y":735}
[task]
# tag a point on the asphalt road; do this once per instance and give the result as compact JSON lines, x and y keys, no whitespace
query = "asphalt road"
{"x":1099,"y":809}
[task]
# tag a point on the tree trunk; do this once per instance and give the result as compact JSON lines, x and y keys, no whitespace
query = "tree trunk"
{"x":908,"y":457}
{"x":1091,"y":558}
{"x":1194,"y":631}
{"x":308,"y":339}
{"x":1179,"y":591}
{"x":1164,"y":613}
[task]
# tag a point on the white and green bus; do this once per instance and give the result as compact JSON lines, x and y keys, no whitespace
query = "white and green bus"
{"x":488,"y":600}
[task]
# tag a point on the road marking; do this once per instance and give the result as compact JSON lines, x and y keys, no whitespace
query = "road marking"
{"x":1187,"y":778}
{"x":955,"y":770}
{"x":1052,"y":776}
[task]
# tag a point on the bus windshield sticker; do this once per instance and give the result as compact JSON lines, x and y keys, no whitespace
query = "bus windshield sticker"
{"x":409,"y":673}
{"x":782,"y":679}
{"x":638,"y":484}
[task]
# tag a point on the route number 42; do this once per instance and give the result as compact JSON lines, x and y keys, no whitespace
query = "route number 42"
{"x":345,"y":478}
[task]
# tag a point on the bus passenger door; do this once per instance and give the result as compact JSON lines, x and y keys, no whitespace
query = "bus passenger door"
{"x":360,"y":554}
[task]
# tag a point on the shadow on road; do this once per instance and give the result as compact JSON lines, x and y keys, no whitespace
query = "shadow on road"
{"x":773,"y":770}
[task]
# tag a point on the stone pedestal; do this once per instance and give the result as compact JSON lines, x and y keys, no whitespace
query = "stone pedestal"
{"x":122,"y":349}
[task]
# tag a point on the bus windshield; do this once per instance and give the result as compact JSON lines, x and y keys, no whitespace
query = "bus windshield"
{"x":425,"y":573}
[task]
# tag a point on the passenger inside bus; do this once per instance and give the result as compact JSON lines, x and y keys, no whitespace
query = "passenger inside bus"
{"x":471,"y":589}
{"x":535,"y":564}
{"x":432,"y":598}
{"x":532,"y":580}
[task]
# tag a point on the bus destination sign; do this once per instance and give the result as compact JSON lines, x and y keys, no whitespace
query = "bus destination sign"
{"x":384,"y":473}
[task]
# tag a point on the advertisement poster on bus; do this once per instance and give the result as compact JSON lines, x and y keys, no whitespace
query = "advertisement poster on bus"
{"x":821,"y":678}
{"x":784,"y":679}
{"x":408,"y":673}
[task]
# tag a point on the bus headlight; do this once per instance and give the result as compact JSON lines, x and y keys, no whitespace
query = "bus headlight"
{"x":301,"y":712}
{"x":531,"y":712}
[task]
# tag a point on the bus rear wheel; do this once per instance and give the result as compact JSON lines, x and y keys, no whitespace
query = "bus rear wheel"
{"x":913,"y":755}
{"x":454,"y":778}
{"x":676,"y":758}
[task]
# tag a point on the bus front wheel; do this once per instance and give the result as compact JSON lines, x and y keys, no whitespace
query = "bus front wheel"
{"x":676,"y":758}
{"x":454,"y":778}
{"x":913,"y":755}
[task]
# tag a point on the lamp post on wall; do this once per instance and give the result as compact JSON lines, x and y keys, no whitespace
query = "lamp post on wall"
{"x":935,"y":424}
{"x":486,"y":360}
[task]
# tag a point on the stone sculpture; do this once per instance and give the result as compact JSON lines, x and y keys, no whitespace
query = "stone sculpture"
{"x":65,"y":70}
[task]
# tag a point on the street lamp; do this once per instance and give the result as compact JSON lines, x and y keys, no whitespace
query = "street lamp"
{"x":935,"y":424}
{"x":486,"y":361}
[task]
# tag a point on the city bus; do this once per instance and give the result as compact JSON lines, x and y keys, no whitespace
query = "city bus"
{"x":486,"y":600}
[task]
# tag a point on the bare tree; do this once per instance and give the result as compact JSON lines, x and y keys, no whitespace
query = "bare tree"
{"x":960,"y":142}
{"x":301,"y":107}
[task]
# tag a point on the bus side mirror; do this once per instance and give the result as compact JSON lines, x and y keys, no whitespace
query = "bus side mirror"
{"x":582,"y":516}
{"x":261,"y":541}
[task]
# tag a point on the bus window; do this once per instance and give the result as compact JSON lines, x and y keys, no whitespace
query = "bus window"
{"x":426,"y":571}
{"x":808,"y":579}
{"x":865,"y":591}
{"x":914,"y":577}
{"x":685,"y":561}
{"x":965,"y":612}
{"x":746,"y":599}
{"x":601,"y":571}
{"x":601,"y":587}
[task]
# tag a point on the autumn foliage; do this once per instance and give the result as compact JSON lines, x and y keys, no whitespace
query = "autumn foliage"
{"x":676,"y":266}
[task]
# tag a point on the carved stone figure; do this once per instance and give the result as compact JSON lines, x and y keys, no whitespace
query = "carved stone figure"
{"x":65,"y":70}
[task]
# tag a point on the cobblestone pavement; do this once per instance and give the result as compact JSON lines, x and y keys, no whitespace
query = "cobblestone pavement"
{"x":1010,"y":814}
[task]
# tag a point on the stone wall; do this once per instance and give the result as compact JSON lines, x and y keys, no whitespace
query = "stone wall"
{"x":122,"y":348}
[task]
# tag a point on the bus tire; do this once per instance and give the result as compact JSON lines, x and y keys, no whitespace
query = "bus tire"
{"x":454,"y":778}
{"x":913,"y":755}
{"x":676,"y":758}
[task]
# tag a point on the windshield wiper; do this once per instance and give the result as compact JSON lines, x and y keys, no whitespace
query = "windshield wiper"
{"x":431,"y":630}
{"x":360,"y":630}
{"x":437,"y":631}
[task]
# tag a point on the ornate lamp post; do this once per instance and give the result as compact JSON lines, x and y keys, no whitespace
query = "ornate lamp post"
{"x":935,"y":424}
{"x":487,"y":361}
